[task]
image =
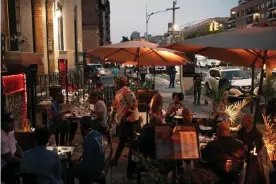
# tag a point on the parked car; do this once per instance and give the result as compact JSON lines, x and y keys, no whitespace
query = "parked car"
{"x":210,"y":63}
{"x":240,"y":81}
{"x":204,"y":62}
{"x":200,"y":61}
{"x":160,"y":69}
{"x":98,"y":67}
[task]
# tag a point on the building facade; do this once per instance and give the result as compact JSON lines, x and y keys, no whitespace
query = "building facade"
{"x":95,"y":23}
{"x":250,"y":12}
{"x":135,"y":35}
{"x":48,"y":29}
{"x":18,"y":40}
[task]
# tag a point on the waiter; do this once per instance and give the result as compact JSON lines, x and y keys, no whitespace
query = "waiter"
{"x":126,"y":107}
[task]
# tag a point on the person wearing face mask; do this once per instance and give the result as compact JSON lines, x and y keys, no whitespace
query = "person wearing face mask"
{"x":11,"y":152}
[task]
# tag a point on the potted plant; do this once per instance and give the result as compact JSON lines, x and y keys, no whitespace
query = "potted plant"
{"x":197,"y":175}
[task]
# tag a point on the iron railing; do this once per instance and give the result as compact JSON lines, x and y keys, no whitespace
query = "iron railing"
{"x":75,"y":88}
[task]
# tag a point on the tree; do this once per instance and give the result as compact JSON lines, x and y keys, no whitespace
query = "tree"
{"x":179,"y":38}
{"x":125,"y":39}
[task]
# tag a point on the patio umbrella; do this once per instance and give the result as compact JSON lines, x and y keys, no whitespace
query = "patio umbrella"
{"x":141,"y":52}
{"x":252,"y":47}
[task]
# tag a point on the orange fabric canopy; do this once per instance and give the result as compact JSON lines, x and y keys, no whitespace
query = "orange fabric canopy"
{"x":142,"y":52}
{"x":240,"y":47}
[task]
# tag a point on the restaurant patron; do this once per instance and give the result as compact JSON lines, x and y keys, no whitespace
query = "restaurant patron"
{"x":11,"y":152}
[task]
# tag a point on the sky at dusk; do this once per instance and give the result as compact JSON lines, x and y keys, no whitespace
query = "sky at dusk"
{"x":130,"y":15}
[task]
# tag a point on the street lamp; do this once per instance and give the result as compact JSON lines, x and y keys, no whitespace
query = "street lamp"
{"x":148,"y":17}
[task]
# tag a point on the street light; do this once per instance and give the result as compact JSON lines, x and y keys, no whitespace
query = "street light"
{"x":148,"y":17}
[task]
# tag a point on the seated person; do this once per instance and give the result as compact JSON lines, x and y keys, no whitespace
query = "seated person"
{"x":146,"y":140}
{"x":187,"y":116}
{"x":225,"y":155}
{"x":43,"y":163}
{"x":156,"y":106}
{"x":92,"y":163}
{"x":11,"y":152}
{"x":55,"y":120}
{"x":176,"y":104}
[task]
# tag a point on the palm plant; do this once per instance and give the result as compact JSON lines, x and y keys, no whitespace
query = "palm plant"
{"x":216,"y":95}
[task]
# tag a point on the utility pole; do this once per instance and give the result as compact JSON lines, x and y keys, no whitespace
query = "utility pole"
{"x":147,"y":22}
{"x":173,"y":21}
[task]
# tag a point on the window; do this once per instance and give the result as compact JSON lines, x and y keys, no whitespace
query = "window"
{"x":268,"y":3}
{"x":238,"y":14}
{"x":235,"y":75}
{"x":60,"y":28}
{"x":267,"y":14}
{"x":262,"y":15}
{"x":262,"y":5}
{"x":242,"y":13}
{"x":214,"y":73}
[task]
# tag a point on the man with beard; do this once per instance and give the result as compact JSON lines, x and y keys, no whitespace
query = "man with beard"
{"x":126,"y":107}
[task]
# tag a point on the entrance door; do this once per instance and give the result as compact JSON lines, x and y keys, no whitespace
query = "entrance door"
{"x":62,"y":67}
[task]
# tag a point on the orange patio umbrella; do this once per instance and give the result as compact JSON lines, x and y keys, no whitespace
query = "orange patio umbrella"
{"x":245,"y":47}
{"x":252,"y":47}
{"x":141,"y":52}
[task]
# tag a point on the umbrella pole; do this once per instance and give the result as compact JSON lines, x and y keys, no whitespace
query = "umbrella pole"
{"x":252,"y":84}
{"x":153,"y":78}
{"x":252,"y":88}
{"x":257,"y":109}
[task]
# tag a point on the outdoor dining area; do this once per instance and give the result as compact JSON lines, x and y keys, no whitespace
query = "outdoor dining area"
{"x":171,"y":145}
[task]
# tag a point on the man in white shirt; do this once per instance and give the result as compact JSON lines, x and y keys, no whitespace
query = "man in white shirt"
{"x":11,"y":152}
{"x":100,"y":109}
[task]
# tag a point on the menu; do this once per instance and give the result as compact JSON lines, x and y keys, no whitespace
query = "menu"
{"x":176,"y":143}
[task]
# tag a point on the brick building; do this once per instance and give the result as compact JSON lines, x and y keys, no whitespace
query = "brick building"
{"x":46,"y":29}
{"x":95,"y":23}
{"x":17,"y":22}
{"x":250,"y":12}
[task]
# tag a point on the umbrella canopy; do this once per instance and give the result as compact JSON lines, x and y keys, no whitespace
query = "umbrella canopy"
{"x":244,"y":47}
{"x":142,"y":52}
{"x":130,"y":63}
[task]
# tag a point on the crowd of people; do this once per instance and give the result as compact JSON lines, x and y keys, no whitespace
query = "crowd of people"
{"x":225,"y":156}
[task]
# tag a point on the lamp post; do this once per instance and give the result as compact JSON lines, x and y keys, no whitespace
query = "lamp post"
{"x":148,"y":17}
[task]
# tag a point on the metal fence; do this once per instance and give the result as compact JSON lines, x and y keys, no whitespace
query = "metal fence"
{"x":74,"y":86}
